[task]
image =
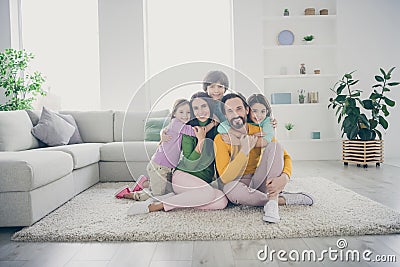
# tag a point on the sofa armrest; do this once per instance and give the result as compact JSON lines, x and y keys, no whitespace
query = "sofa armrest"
{"x":26,"y":170}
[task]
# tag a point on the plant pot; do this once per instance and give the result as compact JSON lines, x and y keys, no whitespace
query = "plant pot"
{"x":308,"y":42}
{"x":301,"y":100}
{"x":362,"y":152}
{"x":366,"y":134}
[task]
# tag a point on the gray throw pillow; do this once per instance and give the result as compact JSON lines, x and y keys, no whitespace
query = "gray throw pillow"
{"x":52,"y":129}
{"x":75,"y":138}
{"x":34,"y":116}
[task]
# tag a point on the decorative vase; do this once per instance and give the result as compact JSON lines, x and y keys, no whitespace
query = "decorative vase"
{"x":301,"y":100}
{"x":288,"y":134}
{"x":308,"y":42}
{"x":302,"y":69}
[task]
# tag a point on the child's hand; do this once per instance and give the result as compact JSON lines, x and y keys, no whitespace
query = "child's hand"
{"x":232,"y":132}
{"x":215,"y":118}
{"x":274,"y":122}
{"x":164,"y":137}
{"x":230,"y":139}
{"x":211,"y":125}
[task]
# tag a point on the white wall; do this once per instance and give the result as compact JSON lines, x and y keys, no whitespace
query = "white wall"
{"x":367,"y":40}
{"x":64,"y":37}
{"x":121,"y":53}
{"x":5,"y":34}
{"x":248,"y":36}
{"x":187,"y":31}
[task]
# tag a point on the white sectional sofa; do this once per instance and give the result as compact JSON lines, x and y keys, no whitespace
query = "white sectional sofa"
{"x":36,"y":180}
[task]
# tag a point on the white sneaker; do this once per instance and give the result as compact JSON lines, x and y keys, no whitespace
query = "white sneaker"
{"x":140,"y":207}
{"x":271,"y":211}
{"x":299,"y":198}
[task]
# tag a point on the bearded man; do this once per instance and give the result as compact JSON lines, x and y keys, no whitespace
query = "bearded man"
{"x":250,"y":176}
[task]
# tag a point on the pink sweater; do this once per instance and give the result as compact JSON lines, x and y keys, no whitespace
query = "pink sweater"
{"x":168,"y":153}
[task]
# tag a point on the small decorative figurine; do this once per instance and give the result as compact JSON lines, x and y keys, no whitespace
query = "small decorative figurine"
{"x":302,"y":69}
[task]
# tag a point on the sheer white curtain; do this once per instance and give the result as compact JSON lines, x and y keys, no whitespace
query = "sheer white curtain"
{"x":64,"y":37}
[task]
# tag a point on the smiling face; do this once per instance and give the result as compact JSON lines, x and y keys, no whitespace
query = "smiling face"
{"x":258,"y":112}
{"x":236,"y":112}
{"x":183,"y":113}
{"x":201,"y":109}
{"x":216,"y":91}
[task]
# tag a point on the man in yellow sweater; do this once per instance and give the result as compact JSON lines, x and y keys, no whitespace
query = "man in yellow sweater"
{"x":249,"y":177}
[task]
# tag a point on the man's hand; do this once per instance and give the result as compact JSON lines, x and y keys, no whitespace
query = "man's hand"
{"x":276,"y":184}
{"x":247,"y":143}
{"x":259,"y":134}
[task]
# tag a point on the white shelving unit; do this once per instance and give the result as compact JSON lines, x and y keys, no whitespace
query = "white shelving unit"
{"x":282,"y":75}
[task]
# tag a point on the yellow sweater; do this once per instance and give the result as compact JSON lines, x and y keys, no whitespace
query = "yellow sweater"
{"x":231,"y":162}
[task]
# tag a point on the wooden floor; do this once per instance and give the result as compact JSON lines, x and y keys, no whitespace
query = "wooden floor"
{"x":380,"y":184}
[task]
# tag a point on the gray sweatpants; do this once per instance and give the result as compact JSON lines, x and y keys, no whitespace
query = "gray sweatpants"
{"x":251,"y":189}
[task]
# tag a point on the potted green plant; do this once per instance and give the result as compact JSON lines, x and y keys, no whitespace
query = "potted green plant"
{"x":356,"y":124}
{"x":289,"y":127}
{"x":20,"y":87}
{"x":361,"y":117}
{"x":302,"y":96}
{"x":286,"y":12}
{"x":308,"y":39}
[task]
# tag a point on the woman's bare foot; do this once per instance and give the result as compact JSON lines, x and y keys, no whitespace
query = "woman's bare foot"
{"x":156,"y":206}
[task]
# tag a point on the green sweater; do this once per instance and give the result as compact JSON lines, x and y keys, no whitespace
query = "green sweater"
{"x":199,"y":165}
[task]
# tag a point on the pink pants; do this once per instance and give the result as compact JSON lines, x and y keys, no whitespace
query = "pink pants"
{"x":251,"y":189}
{"x":193,"y":192}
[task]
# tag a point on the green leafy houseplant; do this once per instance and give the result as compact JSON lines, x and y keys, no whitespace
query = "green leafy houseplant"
{"x":356,"y":125}
{"x":289,"y":126}
{"x":21,"y":88}
{"x":308,"y":38}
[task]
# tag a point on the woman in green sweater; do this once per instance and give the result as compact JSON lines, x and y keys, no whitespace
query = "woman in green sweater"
{"x":194,"y":173}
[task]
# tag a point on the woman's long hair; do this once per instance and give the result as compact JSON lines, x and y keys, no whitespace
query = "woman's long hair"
{"x":194,"y":121}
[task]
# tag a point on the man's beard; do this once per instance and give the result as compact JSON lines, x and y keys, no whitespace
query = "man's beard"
{"x":237,"y":122}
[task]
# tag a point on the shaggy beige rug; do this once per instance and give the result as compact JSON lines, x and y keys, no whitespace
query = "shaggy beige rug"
{"x":95,"y":215}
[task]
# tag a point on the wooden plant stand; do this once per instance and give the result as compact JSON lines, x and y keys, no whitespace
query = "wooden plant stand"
{"x":362,"y":152}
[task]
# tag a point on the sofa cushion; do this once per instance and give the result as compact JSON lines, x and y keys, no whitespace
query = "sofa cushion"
{"x":82,"y":154}
{"x":132,"y":126}
{"x":76,"y":138}
{"x":134,"y":151}
{"x":153,"y":127}
{"x":52,"y":129}
{"x":94,"y":126}
{"x":15,"y":131}
{"x":27,"y":170}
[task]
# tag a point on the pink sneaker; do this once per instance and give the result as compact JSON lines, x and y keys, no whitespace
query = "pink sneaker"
{"x":139,"y":183}
{"x":120,"y":193}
